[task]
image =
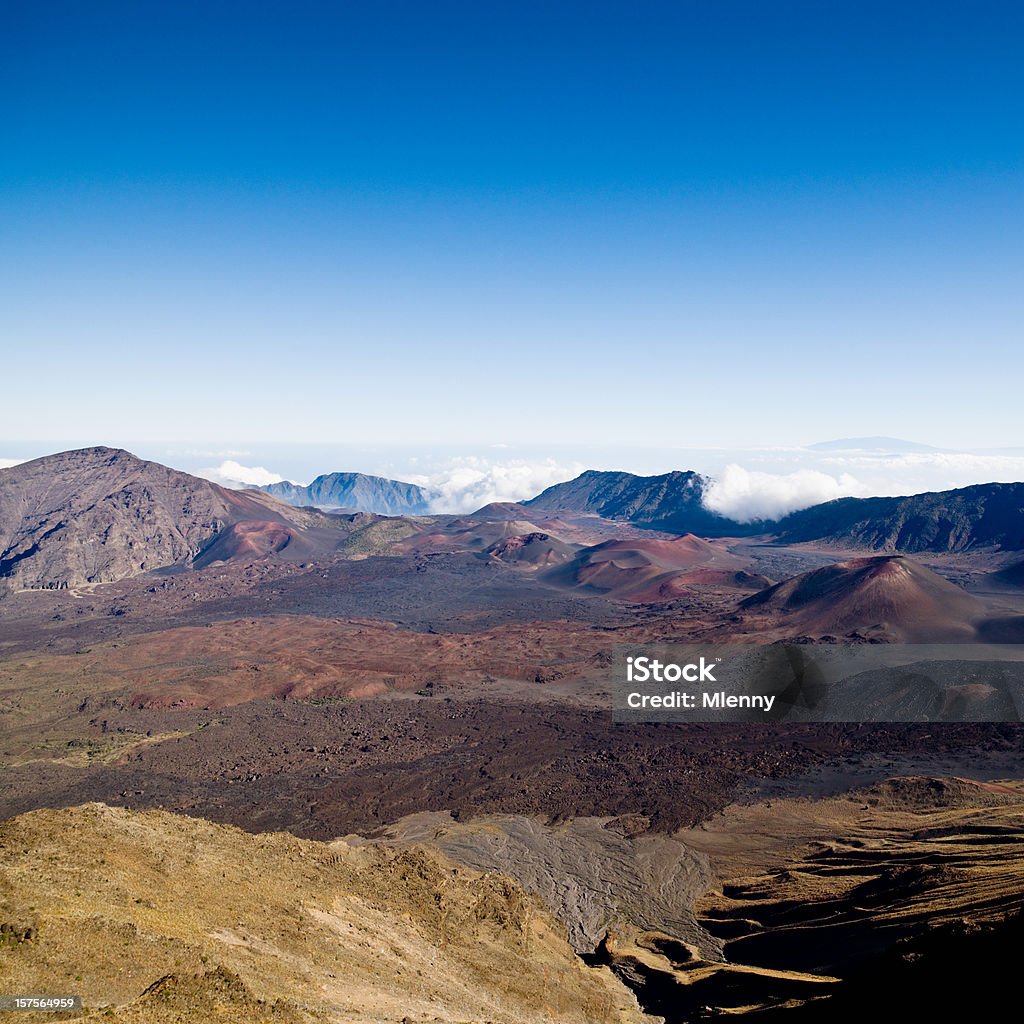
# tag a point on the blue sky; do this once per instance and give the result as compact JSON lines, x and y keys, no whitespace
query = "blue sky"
{"x":597,"y":224}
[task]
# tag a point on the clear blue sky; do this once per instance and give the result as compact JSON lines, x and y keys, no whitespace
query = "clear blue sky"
{"x":695,"y":223}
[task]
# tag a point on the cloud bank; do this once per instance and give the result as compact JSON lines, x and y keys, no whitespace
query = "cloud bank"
{"x":756,"y":485}
{"x":461,"y":484}
{"x":465,"y":484}
{"x":749,"y":495}
{"x":233,"y":474}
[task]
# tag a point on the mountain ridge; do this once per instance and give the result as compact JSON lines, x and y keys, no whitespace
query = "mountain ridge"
{"x":96,"y":515}
{"x":982,"y":515}
{"x":672,"y":502}
{"x":360,"y":492}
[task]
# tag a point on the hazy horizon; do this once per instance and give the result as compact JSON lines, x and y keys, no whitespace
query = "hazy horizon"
{"x":751,"y":483}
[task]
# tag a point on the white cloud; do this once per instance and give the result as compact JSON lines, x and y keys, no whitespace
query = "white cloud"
{"x":747,"y":495}
{"x":461,"y":484}
{"x":233,"y":474}
{"x":757,"y":485}
{"x":469,"y":482}
{"x":7,"y":463}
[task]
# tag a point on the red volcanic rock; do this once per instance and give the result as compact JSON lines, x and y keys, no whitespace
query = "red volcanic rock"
{"x":532,"y":550}
{"x":247,"y":540}
{"x":647,"y":570}
{"x":888,"y":594}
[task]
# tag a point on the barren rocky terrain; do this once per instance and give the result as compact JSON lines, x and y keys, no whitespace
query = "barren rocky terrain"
{"x":436,"y":690}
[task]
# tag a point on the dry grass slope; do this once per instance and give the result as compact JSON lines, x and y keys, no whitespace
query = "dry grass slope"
{"x":154,"y":917}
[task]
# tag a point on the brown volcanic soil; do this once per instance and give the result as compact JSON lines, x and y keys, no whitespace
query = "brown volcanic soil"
{"x":888,"y":596}
{"x":531,"y":551}
{"x":225,"y":663}
{"x":453,"y":593}
{"x":102,"y":691}
{"x":467,"y":534}
{"x":647,"y":570}
{"x":679,"y":553}
{"x":251,"y":541}
{"x":445,"y":592}
{"x":329,"y":766}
